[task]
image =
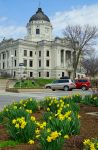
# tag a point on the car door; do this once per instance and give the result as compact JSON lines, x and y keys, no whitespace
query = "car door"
{"x":55,"y":84}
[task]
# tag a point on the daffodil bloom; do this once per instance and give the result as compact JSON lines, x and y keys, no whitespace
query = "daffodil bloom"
{"x":31,"y":142}
{"x":86,"y":142}
{"x":48,"y":130}
{"x":17,"y":125}
{"x":92,"y":147}
{"x":54,"y":135}
{"x":49,"y":139}
{"x":79,"y":116}
{"x":66,"y":137}
{"x":15,"y":107}
{"x":44,"y":123}
{"x":13,"y":121}
{"x":30,"y":99}
{"x":37,"y":136}
{"x":37,"y":131}
{"x":69,"y":118}
{"x":50,"y":117}
{"x":33,"y":118}
{"x":48,"y":109}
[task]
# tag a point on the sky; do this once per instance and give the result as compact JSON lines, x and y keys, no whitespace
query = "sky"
{"x":15,"y":14}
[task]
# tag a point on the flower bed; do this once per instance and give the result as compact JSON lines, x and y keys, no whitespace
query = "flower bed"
{"x":48,"y":124}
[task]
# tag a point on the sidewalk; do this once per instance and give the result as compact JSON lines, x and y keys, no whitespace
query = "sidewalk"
{"x":34,"y":90}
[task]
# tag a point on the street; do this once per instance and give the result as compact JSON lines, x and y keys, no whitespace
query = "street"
{"x":8,"y":97}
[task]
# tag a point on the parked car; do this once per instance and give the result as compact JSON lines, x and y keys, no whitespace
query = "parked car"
{"x":83,"y":84}
{"x":61,"y":84}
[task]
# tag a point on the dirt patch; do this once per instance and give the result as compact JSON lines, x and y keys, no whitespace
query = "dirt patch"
{"x":89,"y":129}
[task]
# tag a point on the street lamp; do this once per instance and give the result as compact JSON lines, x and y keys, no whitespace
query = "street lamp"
{"x":12,"y":56}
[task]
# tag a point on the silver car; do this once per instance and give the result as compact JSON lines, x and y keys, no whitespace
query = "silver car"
{"x":61,"y":84}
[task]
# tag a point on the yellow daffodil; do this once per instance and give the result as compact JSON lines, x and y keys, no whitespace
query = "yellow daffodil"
{"x":33,"y":118}
{"x":31,"y":142}
{"x":49,"y":139}
{"x":17,"y":125}
{"x":66,"y":137}
{"x":13,"y":121}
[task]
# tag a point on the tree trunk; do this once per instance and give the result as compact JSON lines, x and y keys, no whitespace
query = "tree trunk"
{"x":74,"y":73}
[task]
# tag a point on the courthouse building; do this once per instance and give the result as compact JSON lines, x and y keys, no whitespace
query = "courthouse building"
{"x":38,"y":54}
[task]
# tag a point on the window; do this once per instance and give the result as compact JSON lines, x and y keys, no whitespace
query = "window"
{"x":63,"y":81}
{"x":62,"y":56}
{"x":62,"y":74}
{"x":14,"y":73}
{"x":39,"y":63}
{"x":31,"y":53}
{"x":47,"y":63}
{"x":47,"y":54}
{"x":31,"y":74}
{"x":37,"y":31}
{"x":68,"y":55}
{"x":7,"y":54}
{"x":39,"y":53}
{"x":15,"y":63}
{"x":25,"y":63}
{"x":47,"y":74}
{"x":3,"y":56}
{"x":15,"y":53}
{"x":39,"y":74}
{"x":3,"y":65}
{"x":31,"y":63}
{"x":25,"y":52}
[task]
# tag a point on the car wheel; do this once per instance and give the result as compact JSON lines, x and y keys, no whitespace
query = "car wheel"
{"x":53,"y":89}
{"x":48,"y":87}
{"x":83,"y":88}
{"x":66,"y":88}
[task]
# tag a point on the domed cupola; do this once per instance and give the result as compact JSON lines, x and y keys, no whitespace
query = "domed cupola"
{"x":39,"y":27}
{"x":39,"y":16}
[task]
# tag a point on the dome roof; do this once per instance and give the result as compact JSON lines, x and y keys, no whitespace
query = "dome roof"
{"x":39,"y":16}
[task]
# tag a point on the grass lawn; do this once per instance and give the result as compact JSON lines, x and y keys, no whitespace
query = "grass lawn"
{"x":35,"y":83}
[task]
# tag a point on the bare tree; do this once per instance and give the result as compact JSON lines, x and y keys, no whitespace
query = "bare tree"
{"x":80,"y":40}
{"x":90,"y":64}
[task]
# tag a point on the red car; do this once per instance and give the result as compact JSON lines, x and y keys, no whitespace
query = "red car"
{"x":83,"y":84}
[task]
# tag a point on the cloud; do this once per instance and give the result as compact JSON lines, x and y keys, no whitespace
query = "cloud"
{"x":80,"y":15}
{"x":12,"y":31}
{"x":3,"y":19}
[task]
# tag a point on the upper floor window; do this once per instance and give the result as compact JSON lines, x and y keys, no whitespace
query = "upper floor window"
{"x":15,"y":63}
{"x":25,"y":52}
{"x":39,"y":53}
{"x":4,"y":55}
{"x":68,"y":55}
{"x":47,"y":63}
{"x":31,"y":63}
{"x":37,"y":31}
{"x":15,"y":53}
{"x":39,"y":63}
{"x":3,"y":65}
{"x":25,"y":62}
{"x":47,"y":53}
{"x":31,"y":53}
